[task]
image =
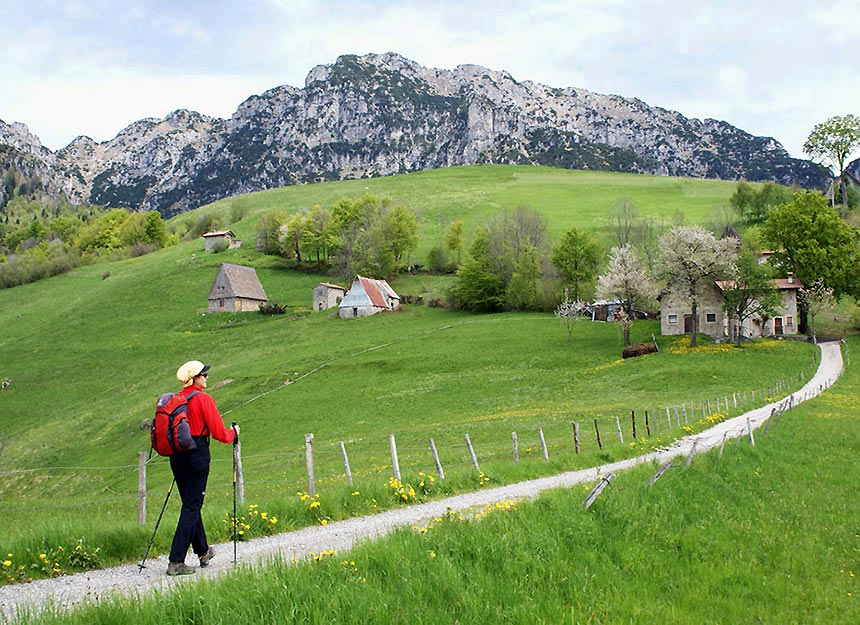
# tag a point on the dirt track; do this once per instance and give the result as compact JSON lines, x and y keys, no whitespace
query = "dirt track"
{"x":71,"y":590}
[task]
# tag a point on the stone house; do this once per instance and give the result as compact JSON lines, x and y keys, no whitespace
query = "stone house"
{"x":215,"y":236}
{"x":367,"y":297}
{"x":236,"y":288}
{"x":676,"y":317}
{"x":327,"y":295}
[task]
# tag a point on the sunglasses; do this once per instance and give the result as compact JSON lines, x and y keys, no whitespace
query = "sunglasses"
{"x":203,"y":375}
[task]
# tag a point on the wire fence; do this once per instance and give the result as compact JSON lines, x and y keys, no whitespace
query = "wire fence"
{"x":324,"y":464}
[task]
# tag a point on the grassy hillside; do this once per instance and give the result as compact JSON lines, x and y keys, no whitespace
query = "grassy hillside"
{"x":762,"y":534}
{"x":567,"y":198}
{"x":88,"y":352}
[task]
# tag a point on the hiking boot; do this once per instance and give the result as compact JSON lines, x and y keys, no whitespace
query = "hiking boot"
{"x":204,"y":559}
{"x":179,"y":568}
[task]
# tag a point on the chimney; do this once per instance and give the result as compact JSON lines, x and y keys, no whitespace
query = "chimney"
{"x":791,"y":277}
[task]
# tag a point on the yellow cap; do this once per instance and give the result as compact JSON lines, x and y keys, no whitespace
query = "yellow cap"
{"x":191,"y":369}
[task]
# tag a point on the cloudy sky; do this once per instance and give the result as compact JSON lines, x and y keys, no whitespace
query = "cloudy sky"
{"x":91,"y":67}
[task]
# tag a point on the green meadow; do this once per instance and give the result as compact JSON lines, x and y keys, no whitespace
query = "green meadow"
{"x":88,"y":352}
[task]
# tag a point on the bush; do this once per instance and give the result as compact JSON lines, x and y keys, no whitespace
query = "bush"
{"x":638,"y":349}
{"x":272,"y":308}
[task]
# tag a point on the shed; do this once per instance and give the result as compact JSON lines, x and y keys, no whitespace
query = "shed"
{"x":213,"y":237}
{"x":236,"y":288}
{"x":367,"y":297}
{"x":327,"y":295}
{"x":604,"y":310}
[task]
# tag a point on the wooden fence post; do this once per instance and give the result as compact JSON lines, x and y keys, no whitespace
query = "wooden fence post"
{"x":749,"y":427}
{"x":436,"y":459}
{"x":576,"y":436}
{"x":240,"y":479}
{"x":141,"y":488}
{"x":692,"y":451}
{"x":309,"y":461}
{"x":543,"y":444}
{"x":723,"y":443}
{"x":647,"y":425}
{"x":633,"y":419}
{"x":618,"y":427}
{"x":659,"y":473}
{"x":394,"y":462}
{"x":668,"y":419}
{"x":472,"y":453}
{"x":346,"y":463}
{"x":597,"y":430}
{"x":592,"y":496}
{"x":684,"y":407}
{"x":516,"y":448}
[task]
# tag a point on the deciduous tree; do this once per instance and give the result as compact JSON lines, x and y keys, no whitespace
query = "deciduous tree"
{"x":626,"y":280}
{"x":750,"y":292}
{"x":690,"y":259}
{"x":577,"y":256}
{"x":811,"y":241}
{"x":833,"y":141}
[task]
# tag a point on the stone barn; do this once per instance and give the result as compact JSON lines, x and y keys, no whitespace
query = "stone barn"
{"x":236,"y":288}
{"x":327,"y":295}
{"x":367,"y":297}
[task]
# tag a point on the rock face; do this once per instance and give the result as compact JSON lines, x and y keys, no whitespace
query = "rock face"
{"x":383,"y":114}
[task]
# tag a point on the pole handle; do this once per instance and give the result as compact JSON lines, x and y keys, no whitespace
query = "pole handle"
{"x":235,"y":434}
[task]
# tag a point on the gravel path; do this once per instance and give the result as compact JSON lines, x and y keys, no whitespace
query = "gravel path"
{"x":71,"y":590}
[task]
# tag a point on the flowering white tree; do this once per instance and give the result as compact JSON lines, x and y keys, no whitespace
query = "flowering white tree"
{"x":691,"y":258}
{"x":569,"y":312}
{"x":625,"y":280}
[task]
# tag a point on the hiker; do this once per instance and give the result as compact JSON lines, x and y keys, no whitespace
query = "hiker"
{"x":191,"y":468}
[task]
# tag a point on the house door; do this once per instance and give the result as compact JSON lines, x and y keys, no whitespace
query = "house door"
{"x":688,"y":324}
{"x":777,"y":326}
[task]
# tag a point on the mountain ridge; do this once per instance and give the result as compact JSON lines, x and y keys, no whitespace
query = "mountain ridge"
{"x":381,"y":114}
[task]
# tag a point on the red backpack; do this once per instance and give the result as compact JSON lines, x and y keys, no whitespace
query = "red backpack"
{"x":170,"y":432}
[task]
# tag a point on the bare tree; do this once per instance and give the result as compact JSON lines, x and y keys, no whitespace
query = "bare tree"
{"x":622,"y":218}
{"x":690,"y":259}
{"x":627,"y":281}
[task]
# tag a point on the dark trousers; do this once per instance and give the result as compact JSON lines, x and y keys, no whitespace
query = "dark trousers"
{"x":191,"y":470}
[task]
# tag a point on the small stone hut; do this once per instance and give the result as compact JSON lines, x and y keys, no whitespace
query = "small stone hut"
{"x":367,"y":297}
{"x":213,"y":237}
{"x":236,"y":288}
{"x":327,"y":295}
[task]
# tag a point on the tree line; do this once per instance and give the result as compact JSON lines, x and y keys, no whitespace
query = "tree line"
{"x":39,"y":239}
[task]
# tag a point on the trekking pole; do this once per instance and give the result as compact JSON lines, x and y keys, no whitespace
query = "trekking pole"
{"x":235,"y":478}
{"x":142,"y":564}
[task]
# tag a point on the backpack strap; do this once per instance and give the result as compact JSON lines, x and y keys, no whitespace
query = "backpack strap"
{"x":188,"y":397}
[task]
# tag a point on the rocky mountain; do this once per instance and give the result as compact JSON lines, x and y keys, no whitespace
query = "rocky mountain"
{"x":853,"y":168}
{"x":377,"y":115}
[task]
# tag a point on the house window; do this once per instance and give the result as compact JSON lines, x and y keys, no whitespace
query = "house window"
{"x":673,"y":319}
{"x":789,"y":321}
{"x":711,"y":317}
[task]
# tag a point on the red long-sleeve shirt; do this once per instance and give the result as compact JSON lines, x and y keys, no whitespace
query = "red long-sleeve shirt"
{"x":204,"y":418}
